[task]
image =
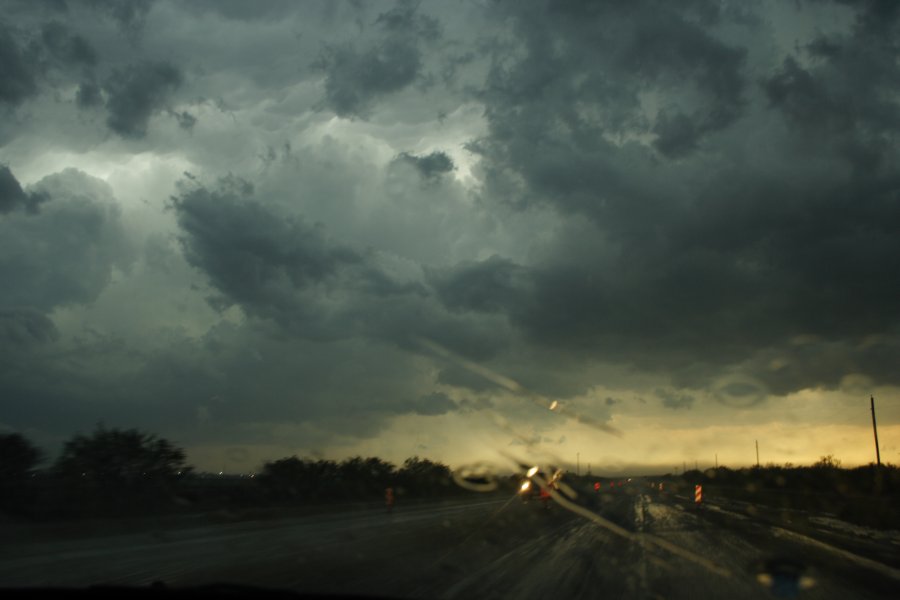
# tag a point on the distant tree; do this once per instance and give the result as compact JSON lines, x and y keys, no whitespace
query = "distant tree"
{"x":828,"y":462}
{"x":284,"y":478}
{"x":366,"y":476}
{"x":357,"y":478}
{"x":121,"y":457}
{"x":420,"y":476}
{"x":119,"y":470}
{"x":300,"y":479}
{"x":18,"y":458}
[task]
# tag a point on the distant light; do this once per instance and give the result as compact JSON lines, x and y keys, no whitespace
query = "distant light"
{"x":220,"y":473}
{"x":554,"y":405}
{"x":526,"y":485}
{"x":532,"y":472}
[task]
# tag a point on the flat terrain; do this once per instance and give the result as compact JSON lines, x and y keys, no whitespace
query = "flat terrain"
{"x":641,"y":544}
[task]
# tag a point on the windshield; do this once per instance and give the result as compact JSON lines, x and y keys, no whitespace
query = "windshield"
{"x":472,"y":298}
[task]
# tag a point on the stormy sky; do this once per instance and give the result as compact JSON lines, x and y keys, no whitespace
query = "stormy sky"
{"x":396,"y":228}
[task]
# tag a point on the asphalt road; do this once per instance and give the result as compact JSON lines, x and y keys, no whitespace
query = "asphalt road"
{"x":627,"y":544}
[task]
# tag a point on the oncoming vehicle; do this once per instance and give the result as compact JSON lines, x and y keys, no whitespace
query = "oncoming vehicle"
{"x":536,"y":485}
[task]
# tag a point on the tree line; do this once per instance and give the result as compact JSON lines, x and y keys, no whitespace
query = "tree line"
{"x":866,"y":495}
{"x":826,"y":476}
{"x":131,"y":472}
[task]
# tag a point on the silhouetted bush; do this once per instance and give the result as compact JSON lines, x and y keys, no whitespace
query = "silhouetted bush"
{"x":116,"y":471}
{"x":18,"y":459}
{"x":824,"y":476}
{"x":422,"y":477}
{"x":355,"y":479}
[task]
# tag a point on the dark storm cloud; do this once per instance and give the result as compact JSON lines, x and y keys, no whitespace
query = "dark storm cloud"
{"x":88,"y":95}
{"x":798,"y":364}
{"x":283,"y":270}
{"x":67,"y":48}
{"x":186,"y":120}
{"x":436,"y":403}
{"x":674,"y":400}
{"x":714,"y":258}
{"x":51,"y":6}
{"x":846,"y":98}
{"x":429,"y":166}
{"x":24,"y":327}
{"x":234,"y":382}
{"x":249,"y":11}
{"x":253,"y":255}
{"x":129,"y":14}
{"x":493,"y":285}
{"x":662,"y":191}
{"x":65,"y":253}
{"x":30,"y":57}
{"x":405,"y":18}
{"x":18,"y":73}
{"x":357,"y":76}
{"x":457,"y":376}
{"x":13,"y":197}
{"x":667,"y":49}
{"x":602,"y":57}
{"x":296,"y":282}
{"x":138,"y":92}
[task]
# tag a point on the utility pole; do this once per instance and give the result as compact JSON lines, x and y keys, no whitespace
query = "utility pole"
{"x":578,"y":463}
{"x":757,"y":454}
{"x":875,"y":428}
{"x":683,"y":466}
{"x":717,"y":461}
